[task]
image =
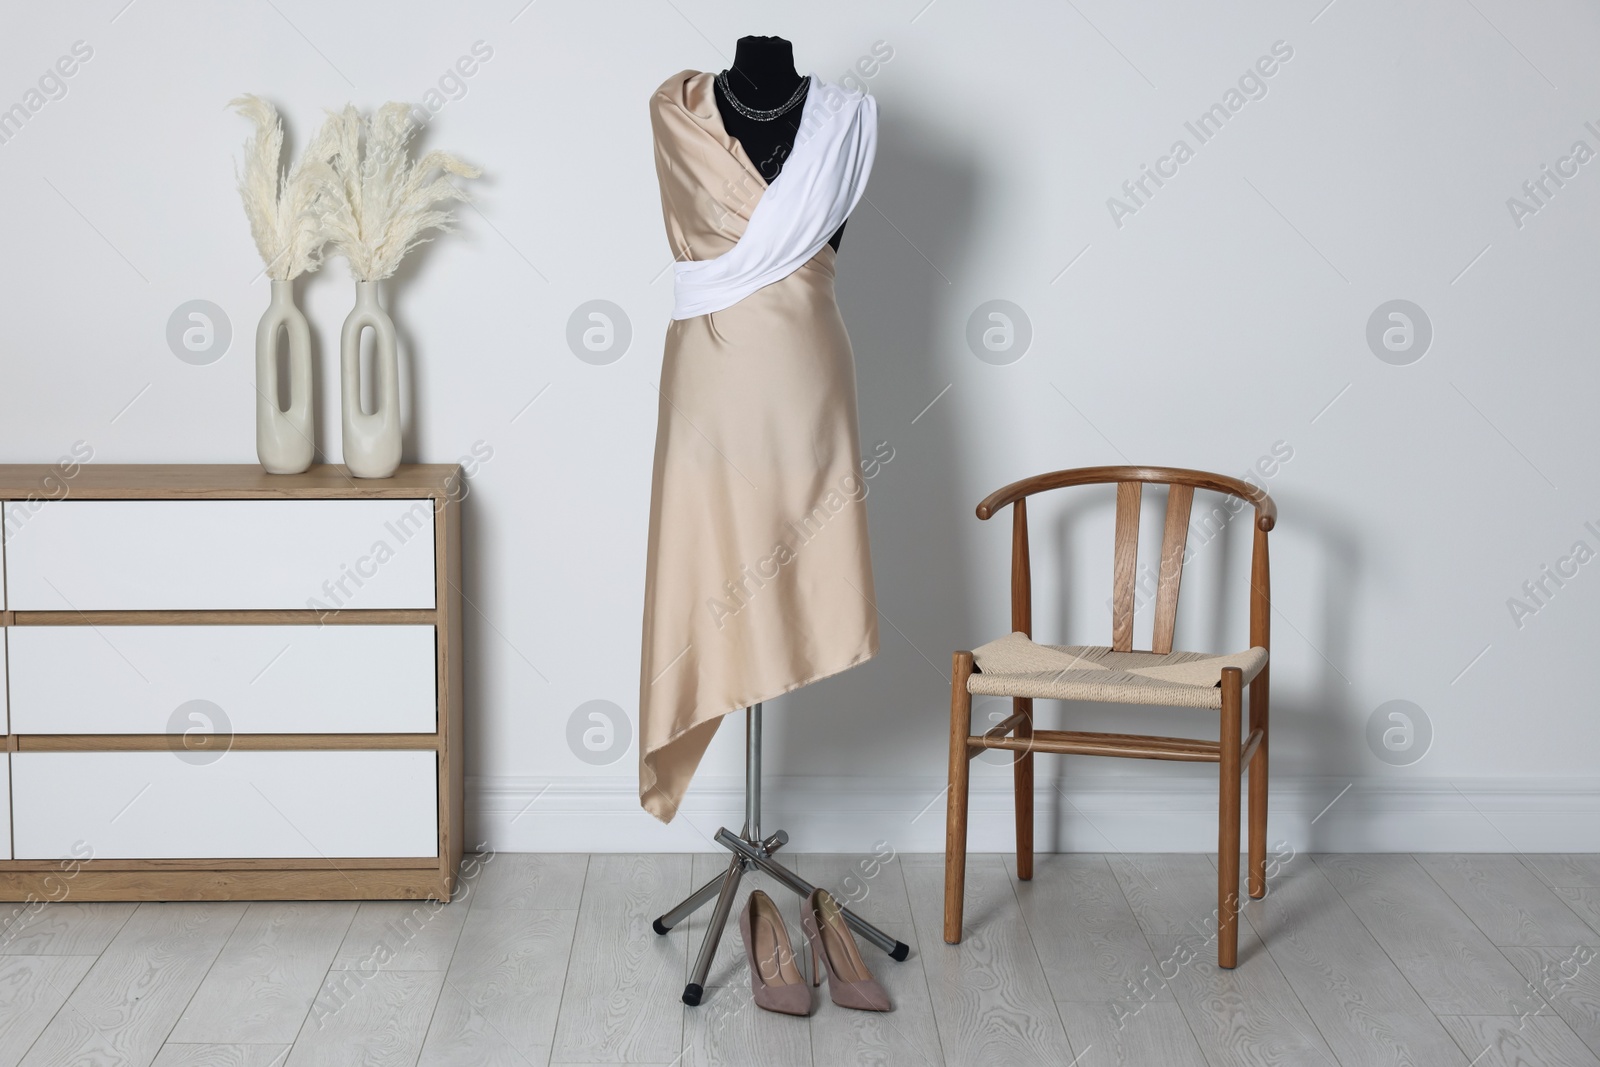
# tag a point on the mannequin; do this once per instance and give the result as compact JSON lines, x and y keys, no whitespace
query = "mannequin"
{"x":756,"y":363}
{"x":763,"y":77}
{"x":744,"y":601}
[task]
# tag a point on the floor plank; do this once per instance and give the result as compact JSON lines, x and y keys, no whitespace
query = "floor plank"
{"x":907,"y":1035}
{"x":1089,"y":943}
{"x":502,"y":994}
{"x":1244,"y":1017}
{"x":11,"y":910}
{"x":1445,"y":957}
{"x":1361,"y":1003}
{"x":1154,"y":1035}
{"x":1170,"y":893}
{"x":462,"y":1036}
{"x":262,"y":984}
{"x":222,"y":1056}
{"x":123,"y":1009}
{"x":1506,"y":900}
{"x":32,"y":990}
{"x":1174,"y":896}
{"x":1569,"y":980}
{"x":1510,"y":1041}
{"x":377,"y":1020}
{"x":78,"y":928}
{"x":989,"y":994}
{"x":936,"y":859}
{"x":872,"y":885}
{"x":728,"y":1030}
{"x":621,"y":1000}
{"x":1584,"y":902}
{"x":402,"y":935}
{"x":1247,"y":1015}
{"x":521,"y":881}
{"x":1569,"y":870}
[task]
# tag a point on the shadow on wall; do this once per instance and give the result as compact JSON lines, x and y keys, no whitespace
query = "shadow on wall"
{"x":1328,"y":721}
{"x":894,"y":303}
{"x":414,"y":366}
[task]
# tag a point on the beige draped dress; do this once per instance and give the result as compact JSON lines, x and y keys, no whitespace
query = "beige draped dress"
{"x":758,"y":578}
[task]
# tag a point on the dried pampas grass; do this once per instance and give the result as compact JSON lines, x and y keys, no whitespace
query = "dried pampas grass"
{"x":375,"y":202}
{"x":283,"y":210}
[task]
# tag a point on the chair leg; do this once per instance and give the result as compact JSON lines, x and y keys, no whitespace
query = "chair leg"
{"x":1258,"y":788}
{"x":1228,"y":814}
{"x":955,"y":825}
{"x":1022,"y":769}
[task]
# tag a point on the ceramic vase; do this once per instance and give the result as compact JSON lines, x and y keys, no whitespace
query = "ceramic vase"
{"x":284,"y":436}
{"x":371,"y":439}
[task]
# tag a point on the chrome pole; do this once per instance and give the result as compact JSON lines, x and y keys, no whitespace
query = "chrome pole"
{"x":752,"y":771}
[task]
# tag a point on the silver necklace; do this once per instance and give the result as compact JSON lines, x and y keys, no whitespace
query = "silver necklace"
{"x":762,"y":116}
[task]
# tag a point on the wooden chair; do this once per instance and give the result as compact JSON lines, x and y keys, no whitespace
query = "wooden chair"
{"x":1118,"y":674}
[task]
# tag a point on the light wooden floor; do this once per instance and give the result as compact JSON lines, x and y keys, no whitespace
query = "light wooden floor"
{"x":550,"y":960}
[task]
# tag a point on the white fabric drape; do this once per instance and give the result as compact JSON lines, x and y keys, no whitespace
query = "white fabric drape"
{"x":822,"y":180}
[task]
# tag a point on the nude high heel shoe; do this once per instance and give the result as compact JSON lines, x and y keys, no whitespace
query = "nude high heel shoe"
{"x":850,"y":983}
{"x":775,"y":981}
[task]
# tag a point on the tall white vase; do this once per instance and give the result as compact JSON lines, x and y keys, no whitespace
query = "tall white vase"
{"x":283,"y":437}
{"x":371,"y":440}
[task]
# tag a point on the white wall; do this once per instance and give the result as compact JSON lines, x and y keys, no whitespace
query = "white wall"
{"x":1224,"y":318}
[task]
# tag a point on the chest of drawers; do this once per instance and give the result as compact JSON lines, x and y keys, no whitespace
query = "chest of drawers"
{"x":223,"y":684}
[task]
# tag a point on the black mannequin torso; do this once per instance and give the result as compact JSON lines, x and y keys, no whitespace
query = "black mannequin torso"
{"x":763,"y":77}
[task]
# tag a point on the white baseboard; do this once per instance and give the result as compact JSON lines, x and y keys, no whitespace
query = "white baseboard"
{"x":1085,"y":814}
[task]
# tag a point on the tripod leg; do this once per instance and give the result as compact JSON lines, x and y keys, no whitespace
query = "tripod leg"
{"x":690,"y":905}
{"x":719,"y":919}
{"x":695,"y":900}
{"x":897,"y":950}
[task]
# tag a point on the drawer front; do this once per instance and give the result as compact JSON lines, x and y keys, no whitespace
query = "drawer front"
{"x":133,"y":555}
{"x":268,"y":805}
{"x":5,"y":719}
{"x":5,"y":807}
{"x":223,"y":679}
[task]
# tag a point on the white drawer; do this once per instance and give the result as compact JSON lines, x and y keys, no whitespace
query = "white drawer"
{"x":132,"y":555}
{"x":5,"y":719}
{"x":5,"y":807}
{"x":273,"y":805}
{"x":258,"y":679}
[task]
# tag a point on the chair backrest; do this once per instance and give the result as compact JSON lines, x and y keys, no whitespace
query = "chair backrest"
{"x":1130,"y":483}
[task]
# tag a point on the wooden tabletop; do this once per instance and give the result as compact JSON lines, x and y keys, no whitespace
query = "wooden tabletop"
{"x":236,"y":481}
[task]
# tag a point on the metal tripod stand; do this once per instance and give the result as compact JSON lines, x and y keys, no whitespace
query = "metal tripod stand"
{"x":751,"y":851}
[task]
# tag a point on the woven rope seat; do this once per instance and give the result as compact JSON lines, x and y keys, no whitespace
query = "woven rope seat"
{"x":1014,"y":666}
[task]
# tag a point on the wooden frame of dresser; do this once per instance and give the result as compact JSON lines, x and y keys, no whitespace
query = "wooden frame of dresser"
{"x":363,"y":878}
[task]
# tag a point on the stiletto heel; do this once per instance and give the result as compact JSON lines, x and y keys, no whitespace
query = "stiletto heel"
{"x":775,"y":982}
{"x":850,"y":983}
